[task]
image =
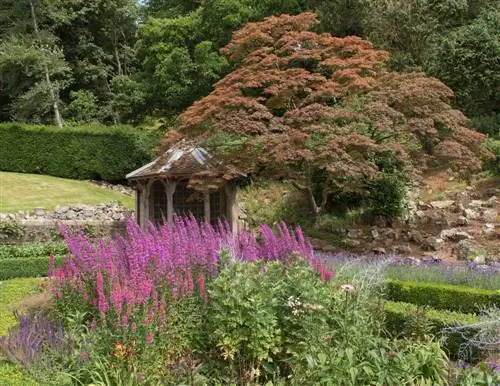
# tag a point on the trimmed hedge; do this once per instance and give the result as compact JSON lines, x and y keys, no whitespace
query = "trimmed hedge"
{"x":398,"y":315}
{"x":78,"y":152}
{"x":26,"y":267}
{"x":443,"y":296}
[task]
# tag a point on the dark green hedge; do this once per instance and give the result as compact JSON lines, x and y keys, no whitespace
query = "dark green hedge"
{"x":79,"y":152}
{"x":26,"y":267}
{"x":443,"y":296}
{"x":399,"y":314}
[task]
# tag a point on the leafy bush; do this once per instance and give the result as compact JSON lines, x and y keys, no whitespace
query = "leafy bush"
{"x":11,"y":230}
{"x":399,"y":317}
{"x":32,"y":250}
{"x":26,"y":267}
{"x":79,"y":152}
{"x":386,"y":196}
{"x":494,"y":165}
{"x":443,"y":296}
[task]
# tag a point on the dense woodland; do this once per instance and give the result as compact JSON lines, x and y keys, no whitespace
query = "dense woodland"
{"x":123,"y":61}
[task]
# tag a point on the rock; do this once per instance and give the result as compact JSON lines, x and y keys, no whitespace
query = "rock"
{"x":423,"y":205}
{"x":432,"y":244}
{"x":39,"y":212}
{"x":462,"y":221}
{"x":464,"y":249}
{"x":402,"y":249}
{"x":431,"y":259}
{"x":442,"y":204}
{"x":479,"y":259}
{"x":472,"y":214}
{"x":489,"y":229}
{"x":116,"y":216}
{"x":88,"y":213}
{"x":416,"y":236}
{"x":489,"y":215}
{"x":330,"y":249}
{"x":462,"y":198}
{"x":374,"y":234}
{"x":491,"y":202}
{"x":354,"y":233}
{"x":379,"y":251}
{"x":454,"y":234}
{"x":70,"y":215}
{"x":476,"y":203}
{"x":419,"y":214}
{"x":492,"y":192}
{"x":352,"y":243}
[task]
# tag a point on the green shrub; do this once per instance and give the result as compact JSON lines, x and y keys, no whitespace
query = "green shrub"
{"x":26,"y":267}
{"x":493,"y":165}
{"x":443,"y":296}
{"x":400,"y":315}
{"x":32,"y":250}
{"x":78,"y":152}
{"x":386,"y":196}
{"x":269,"y":320}
{"x":11,"y":230}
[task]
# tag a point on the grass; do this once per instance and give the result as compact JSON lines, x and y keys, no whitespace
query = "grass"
{"x":28,"y":191}
{"x":11,"y":293}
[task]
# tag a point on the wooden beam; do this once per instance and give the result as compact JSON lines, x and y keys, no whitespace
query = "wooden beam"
{"x":206,"y":205}
{"x":170,"y":190}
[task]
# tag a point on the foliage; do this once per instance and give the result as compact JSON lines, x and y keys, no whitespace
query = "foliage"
{"x":25,"y":345}
{"x":484,"y":374}
{"x":494,"y":165}
{"x":190,"y":304}
{"x":267,"y":316}
{"x":467,"y":59}
{"x":26,"y":266}
{"x":387,"y":196}
{"x":444,"y":275}
{"x":84,"y":107}
{"x":324,"y":113}
{"x":400,"y":316}
{"x":32,"y":250}
{"x":443,"y":296}
{"x":79,"y":152}
{"x":11,"y":230}
{"x":487,"y":124}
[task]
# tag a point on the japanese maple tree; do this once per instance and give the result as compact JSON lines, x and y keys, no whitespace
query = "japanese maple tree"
{"x":325,"y":112}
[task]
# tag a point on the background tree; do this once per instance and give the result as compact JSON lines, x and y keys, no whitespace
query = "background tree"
{"x":325,"y":113}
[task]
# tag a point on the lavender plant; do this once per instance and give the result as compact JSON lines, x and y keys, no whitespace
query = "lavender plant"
{"x":35,"y":336}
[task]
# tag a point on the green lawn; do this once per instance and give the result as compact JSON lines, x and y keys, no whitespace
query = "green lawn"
{"x":11,"y":292}
{"x":27,"y":191}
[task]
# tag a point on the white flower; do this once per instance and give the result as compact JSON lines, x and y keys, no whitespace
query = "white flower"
{"x":347,"y":288}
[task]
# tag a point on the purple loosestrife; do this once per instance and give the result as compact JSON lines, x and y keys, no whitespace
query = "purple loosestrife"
{"x":132,"y":278}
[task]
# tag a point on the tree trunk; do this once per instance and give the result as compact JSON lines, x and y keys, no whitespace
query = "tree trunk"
{"x":53,"y":97}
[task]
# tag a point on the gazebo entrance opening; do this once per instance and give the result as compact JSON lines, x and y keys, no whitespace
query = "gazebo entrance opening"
{"x":185,"y":202}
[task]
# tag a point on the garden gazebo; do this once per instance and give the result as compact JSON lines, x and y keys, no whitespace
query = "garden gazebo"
{"x":165,"y":187}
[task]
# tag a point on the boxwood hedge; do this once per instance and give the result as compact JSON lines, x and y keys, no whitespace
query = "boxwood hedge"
{"x":78,"y":152}
{"x":398,"y":317}
{"x":26,"y":267}
{"x":443,"y":296}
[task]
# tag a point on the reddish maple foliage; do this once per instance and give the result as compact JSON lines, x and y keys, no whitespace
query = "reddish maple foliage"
{"x":301,"y":102}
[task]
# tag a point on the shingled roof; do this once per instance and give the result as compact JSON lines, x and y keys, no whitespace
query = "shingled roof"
{"x":178,"y":161}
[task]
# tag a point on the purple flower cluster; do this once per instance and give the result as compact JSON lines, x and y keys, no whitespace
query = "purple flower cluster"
{"x":36,"y":333}
{"x":146,"y":269}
